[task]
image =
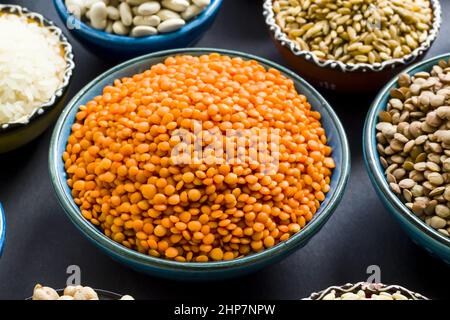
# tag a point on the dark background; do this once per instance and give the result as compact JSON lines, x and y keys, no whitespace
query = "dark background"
{"x":42,"y":243}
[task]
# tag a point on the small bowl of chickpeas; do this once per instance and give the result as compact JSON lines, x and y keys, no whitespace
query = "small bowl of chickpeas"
{"x":199,"y":163}
{"x":74,"y":293}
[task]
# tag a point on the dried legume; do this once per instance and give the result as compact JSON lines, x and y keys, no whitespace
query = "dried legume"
{"x":127,"y":180}
{"x":413,"y":137}
{"x":355,"y":31}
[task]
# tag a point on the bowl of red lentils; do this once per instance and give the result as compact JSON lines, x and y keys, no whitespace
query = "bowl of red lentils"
{"x":199,"y":163}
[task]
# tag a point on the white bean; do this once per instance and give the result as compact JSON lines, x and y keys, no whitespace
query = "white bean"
{"x":119,"y":28}
{"x":98,"y":15}
{"x":175,"y":5}
{"x":76,"y":7}
{"x":165,"y":14}
{"x":152,"y":21}
{"x":202,"y":3}
{"x":143,"y":31}
{"x":135,"y":2}
{"x":125,"y":14}
{"x":171,"y":25}
{"x":113,"y":13}
{"x":109,"y":26}
{"x":149,"y":8}
{"x":191,"y":12}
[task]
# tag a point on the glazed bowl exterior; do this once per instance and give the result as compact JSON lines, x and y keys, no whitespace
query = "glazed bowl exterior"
{"x":368,"y":288}
{"x":15,"y":135}
{"x":210,"y":270}
{"x":115,"y":47}
{"x":338,"y":76}
{"x":2,"y":229}
{"x":425,"y":236}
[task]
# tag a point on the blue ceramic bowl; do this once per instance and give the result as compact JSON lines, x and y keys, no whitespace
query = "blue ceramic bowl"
{"x":430,"y":239}
{"x":210,"y":270}
{"x":122,"y":47}
{"x":2,"y":229}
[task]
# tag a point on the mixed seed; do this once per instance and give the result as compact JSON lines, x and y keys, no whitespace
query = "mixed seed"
{"x":413,"y":138}
{"x":136,"y":18}
{"x":361,"y":295}
{"x":355,"y":31}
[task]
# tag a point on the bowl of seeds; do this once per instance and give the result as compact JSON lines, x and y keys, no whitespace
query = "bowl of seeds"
{"x":352,"y":46}
{"x":407,"y":152}
{"x":366,"y":291}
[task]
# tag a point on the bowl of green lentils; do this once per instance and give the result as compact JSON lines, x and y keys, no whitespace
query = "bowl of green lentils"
{"x":407,"y":152}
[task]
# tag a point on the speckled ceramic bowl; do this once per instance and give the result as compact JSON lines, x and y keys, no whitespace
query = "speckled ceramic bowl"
{"x":16,"y":134}
{"x":430,"y":239}
{"x":338,"y":76}
{"x":368,"y":288}
{"x":116,"y":47}
{"x":2,"y":229}
{"x":210,"y":270}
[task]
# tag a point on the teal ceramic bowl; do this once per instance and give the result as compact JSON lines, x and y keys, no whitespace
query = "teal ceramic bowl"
{"x":210,"y":270}
{"x":425,"y":236}
{"x":15,"y":135}
{"x":2,"y":229}
{"x":116,"y":47}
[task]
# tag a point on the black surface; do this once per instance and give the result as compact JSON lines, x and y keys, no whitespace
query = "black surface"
{"x":41,"y":242}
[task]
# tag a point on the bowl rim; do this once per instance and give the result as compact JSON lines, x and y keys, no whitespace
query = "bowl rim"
{"x":366,"y":286}
{"x":283,"y":39}
{"x":2,"y":229}
{"x":101,"y":35}
{"x":372,"y":161}
{"x":68,"y":71}
{"x":114,"y":248}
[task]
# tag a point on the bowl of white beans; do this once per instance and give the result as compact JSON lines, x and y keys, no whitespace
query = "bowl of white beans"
{"x":122,"y":29}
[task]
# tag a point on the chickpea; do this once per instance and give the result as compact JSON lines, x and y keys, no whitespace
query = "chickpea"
{"x":44,"y":293}
{"x":85,"y":293}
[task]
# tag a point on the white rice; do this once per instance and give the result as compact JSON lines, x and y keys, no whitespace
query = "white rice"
{"x":31,"y":67}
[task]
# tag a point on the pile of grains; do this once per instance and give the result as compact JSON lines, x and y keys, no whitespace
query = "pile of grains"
{"x":414,"y":144}
{"x":136,"y":18}
{"x":355,"y":31}
{"x":361,"y":295}
{"x":31,"y":67}
{"x":127,"y":179}
{"x":70,"y":293}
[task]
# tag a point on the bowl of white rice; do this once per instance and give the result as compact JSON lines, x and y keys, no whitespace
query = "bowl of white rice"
{"x":36,"y":65}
